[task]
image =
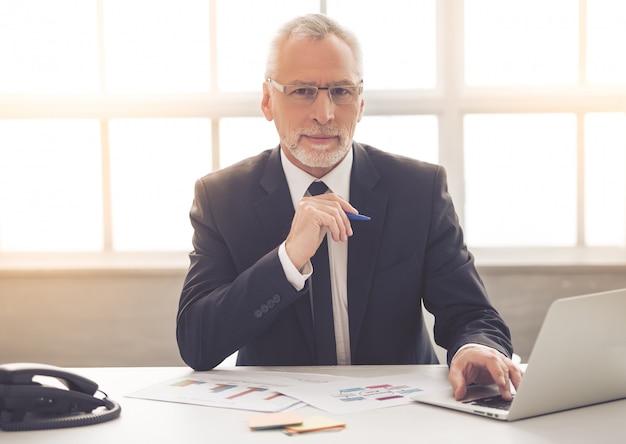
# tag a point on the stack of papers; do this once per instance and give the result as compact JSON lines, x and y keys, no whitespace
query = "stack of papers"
{"x":273,"y":391}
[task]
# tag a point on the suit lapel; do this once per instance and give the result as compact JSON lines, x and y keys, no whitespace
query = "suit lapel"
{"x":364,"y":245}
{"x":275,"y":210}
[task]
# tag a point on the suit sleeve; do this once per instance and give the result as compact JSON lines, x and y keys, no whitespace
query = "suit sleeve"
{"x":223,"y":307}
{"x":453,"y":290}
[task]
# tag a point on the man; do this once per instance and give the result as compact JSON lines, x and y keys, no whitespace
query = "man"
{"x":251,"y":285}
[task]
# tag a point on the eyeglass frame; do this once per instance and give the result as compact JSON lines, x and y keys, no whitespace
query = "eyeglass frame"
{"x":283,"y":89}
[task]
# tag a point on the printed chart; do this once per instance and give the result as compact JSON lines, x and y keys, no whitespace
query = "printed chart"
{"x":274,"y":391}
{"x":238,"y":389}
{"x":361,"y":394}
{"x":228,"y":395}
{"x":218,"y":394}
{"x":380,"y":392}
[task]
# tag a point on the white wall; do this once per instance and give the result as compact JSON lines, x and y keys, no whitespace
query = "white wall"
{"x":127,"y":318}
{"x":107,"y":319}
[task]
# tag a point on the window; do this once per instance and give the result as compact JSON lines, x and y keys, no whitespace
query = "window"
{"x":50,"y":181}
{"x":407,"y":135}
{"x":605,"y":181}
{"x":48,"y":46}
{"x":156,"y":46}
{"x":521,"y":43}
{"x":544,"y":138}
{"x":111,"y":109}
{"x":154,"y":163}
{"x":520,"y":176}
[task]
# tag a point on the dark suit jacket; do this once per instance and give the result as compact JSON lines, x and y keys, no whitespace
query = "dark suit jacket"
{"x":236,"y":296}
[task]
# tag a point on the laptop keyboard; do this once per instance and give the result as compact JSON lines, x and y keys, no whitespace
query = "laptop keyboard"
{"x":496,"y":402}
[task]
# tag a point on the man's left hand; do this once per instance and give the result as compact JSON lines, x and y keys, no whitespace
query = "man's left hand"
{"x":483,"y":365}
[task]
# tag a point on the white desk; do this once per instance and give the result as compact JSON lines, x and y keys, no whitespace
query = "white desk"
{"x":144,"y":421}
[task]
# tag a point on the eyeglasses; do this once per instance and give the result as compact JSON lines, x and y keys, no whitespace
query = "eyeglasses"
{"x":306,"y":94}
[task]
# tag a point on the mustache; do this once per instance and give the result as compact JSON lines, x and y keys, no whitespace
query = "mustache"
{"x":321,"y":130}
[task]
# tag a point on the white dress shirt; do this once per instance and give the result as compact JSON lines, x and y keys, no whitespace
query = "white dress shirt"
{"x":338,"y":182}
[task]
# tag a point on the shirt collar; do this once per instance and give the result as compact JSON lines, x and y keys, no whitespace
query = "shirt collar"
{"x":338,"y":179}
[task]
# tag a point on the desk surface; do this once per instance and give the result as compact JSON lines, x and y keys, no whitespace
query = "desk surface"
{"x":163,"y":422}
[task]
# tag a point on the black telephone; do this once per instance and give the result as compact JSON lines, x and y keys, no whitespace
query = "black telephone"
{"x":26,"y":404}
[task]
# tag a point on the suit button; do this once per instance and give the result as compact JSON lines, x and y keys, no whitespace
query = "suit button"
{"x":270,"y":303}
{"x":258,"y":314}
{"x":276,"y":298}
{"x":265,"y":308}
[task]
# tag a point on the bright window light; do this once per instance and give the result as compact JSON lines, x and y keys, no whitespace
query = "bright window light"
{"x":406,"y":56}
{"x":50,"y":185}
{"x":242,"y":137}
{"x":532,"y":42}
{"x":605,"y":182}
{"x":82,"y":169}
{"x":48,"y":46}
{"x":606,"y":33}
{"x":411,"y":136}
{"x":154,"y":165}
{"x":244,"y":31}
{"x":156,"y":46}
{"x":520,"y":176}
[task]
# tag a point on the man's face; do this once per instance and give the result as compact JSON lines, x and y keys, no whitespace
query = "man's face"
{"x":314,"y":136}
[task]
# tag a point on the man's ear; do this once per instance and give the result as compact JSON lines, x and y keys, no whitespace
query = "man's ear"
{"x":266,"y":103}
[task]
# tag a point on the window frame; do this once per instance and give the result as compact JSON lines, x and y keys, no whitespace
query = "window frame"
{"x":449,"y":101}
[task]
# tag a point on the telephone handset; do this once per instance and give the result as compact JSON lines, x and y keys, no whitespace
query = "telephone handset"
{"x":26,"y":404}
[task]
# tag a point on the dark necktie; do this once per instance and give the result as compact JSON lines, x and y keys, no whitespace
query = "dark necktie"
{"x":322,"y":297}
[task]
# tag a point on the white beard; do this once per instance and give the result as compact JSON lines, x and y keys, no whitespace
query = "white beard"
{"x":320,"y":156}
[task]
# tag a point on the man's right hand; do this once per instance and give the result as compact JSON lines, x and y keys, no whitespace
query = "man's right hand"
{"x":314,"y":216}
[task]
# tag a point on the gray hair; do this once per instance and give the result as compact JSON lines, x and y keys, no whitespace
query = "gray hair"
{"x":312,"y":27}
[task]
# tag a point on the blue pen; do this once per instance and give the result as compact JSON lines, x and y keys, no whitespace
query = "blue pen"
{"x":358,"y":216}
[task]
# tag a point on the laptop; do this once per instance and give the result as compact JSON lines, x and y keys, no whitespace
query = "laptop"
{"x":579,"y":359}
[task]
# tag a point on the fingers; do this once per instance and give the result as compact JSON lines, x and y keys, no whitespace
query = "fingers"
{"x":313,"y":218}
{"x":509,"y":374}
{"x":331,"y":215}
{"x":458,"y":382}
{"x":498,"y":372}
{"x":500,"y":375}
{"x":483,"y":365}
{"x":334,"y":210}
{"x":515,"y":374}
{"x":327,"y":211}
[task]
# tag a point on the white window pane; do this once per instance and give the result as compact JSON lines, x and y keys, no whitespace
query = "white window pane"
{"x":157,"y":45}
{"x":50,"y":185}
{"x":398,"y":40}
{"x":244,"y":31}
{"x":520,"y":175}
{"x":154,"y":165}
{"x":244,"y":137}
{"x":605,"y":181}
{"x":412,"y":136}
{"x":48,"y":46}
{"x":531,"y":42}
{"x":606,"y":34}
